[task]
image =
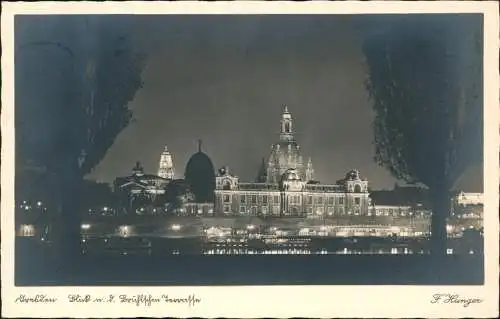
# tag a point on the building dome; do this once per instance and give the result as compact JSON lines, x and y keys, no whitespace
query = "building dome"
{"x":224,"y":170}
{"x":200,"y":175}
{"x":353,"y":175}
{"x":291,"y":174}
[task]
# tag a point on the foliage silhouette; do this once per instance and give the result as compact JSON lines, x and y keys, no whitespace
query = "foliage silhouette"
{"x":79,"y":83}
{"x":425,"y":81}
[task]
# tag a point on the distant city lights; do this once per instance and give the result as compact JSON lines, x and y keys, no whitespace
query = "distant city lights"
{"x":176,"y":227}
{"x":85,"y":226}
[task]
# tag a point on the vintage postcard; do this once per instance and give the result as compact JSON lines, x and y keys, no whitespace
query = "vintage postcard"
{"x":250,"y":159}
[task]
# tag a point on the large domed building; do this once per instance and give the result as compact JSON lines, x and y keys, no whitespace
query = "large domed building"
{"x":286,"y":154}
{"x":286,"y":186}
{"x":200,"y":175}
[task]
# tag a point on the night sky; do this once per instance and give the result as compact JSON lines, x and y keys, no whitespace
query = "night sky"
{"x":224,"y":79}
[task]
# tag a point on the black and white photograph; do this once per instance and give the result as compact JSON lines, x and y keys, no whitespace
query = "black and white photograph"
{"x":237,"y":149}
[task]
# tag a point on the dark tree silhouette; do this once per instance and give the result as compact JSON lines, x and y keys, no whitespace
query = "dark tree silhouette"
{"x":425,"y":81}
{"x":81,"y":89}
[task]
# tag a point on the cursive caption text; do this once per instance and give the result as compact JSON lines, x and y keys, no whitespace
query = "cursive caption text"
{"x":454,"y":299}
{"x":138,"y":300}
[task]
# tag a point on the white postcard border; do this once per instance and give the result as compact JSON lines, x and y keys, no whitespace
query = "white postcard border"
{"x":259,"y":301}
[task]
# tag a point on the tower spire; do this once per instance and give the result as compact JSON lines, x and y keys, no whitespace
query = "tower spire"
{"x":166,"y":166}
{"x":262,"y":174}
{"x":199,"y":145}
{"x":309,"y":170}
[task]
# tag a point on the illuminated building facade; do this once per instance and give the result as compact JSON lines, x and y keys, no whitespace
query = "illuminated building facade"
{"x":292,"y":196}
{"x":134,"y":191}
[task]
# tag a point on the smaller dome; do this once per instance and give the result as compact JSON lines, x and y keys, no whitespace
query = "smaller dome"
{"x":223,"y":171}
{"x":291,"y":175}
{"x":353,"y":175}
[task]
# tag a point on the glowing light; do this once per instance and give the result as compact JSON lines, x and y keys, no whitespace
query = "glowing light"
{"x":176,"y":227}
{"x":85,"y":226}
{"x":250,"y":227}
{"x":124,"y":230}
{"x":449,"y":251}
{"x":39,"y":203}
{"x":106,"y":208}
{"x":449,"y":228}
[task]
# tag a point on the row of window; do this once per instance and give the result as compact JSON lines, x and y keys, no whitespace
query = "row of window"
{"x":330,"y":211}
{"x":265,"y":199}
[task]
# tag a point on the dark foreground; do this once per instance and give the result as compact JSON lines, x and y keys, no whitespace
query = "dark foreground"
{"x":37,"y":267}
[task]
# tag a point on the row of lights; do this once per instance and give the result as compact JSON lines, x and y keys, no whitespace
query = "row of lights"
{"x":27,"y":206}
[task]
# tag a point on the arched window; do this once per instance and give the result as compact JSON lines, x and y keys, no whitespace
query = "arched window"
{"x":357,"y":188}
{"x":227,"y":185}
{"x":287,"y":127}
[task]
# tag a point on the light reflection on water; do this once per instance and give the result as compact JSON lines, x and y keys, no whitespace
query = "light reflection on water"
{"x":237,"y":246}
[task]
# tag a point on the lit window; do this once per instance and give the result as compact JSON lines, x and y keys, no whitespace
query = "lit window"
{"x":226,"y":198}
{"x":27,"y":231}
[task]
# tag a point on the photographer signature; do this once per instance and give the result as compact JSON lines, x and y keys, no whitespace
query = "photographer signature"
{"x":454,"y":299}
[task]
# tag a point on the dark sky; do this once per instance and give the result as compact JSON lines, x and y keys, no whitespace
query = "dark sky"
{"x":224,"y":79}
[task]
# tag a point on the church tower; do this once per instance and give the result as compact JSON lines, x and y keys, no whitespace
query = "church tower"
{"x":166,"y":168}
{"x":286,"y":126}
